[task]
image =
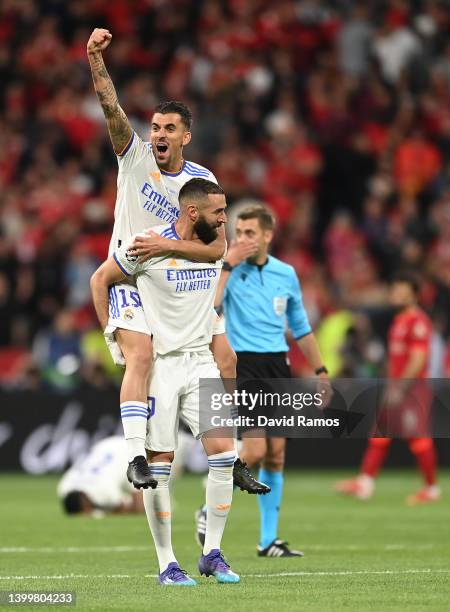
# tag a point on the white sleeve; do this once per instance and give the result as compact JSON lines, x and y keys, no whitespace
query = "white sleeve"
{"x":129,"y":264}
{"x":218,"y":324}
{"x":135,"y":151}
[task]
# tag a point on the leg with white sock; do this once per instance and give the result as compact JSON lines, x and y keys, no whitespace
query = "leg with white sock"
{"x":158,"y":510}
{"x":137,"y":350}
{"x":219,"y":446}
{"x":134,"y":417}
{"x":134,"y":408}
{"x":159,"y":516}
{"x":219,"y":493}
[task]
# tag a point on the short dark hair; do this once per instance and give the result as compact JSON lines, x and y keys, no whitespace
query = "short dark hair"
{"x":73,"y":502}
{"x":265,"y":217}
{"x":198,"y":189}
{"x":174,"y":106}
{"x":408,"y":277}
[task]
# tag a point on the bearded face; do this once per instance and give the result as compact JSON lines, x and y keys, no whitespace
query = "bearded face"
{"x":207,"y":232}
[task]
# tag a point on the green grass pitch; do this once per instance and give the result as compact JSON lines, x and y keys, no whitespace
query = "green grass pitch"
{"x":377,"y":555}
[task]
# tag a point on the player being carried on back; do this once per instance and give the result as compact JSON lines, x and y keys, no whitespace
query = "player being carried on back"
{"x":178,"y":296}
{"x":150,"y":177}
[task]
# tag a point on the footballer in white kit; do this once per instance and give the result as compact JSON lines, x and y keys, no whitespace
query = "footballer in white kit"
{"x":100,"y":477}
{"x":146,"y":197}
{"x":177,"y":296}
{"x":149,"y":179}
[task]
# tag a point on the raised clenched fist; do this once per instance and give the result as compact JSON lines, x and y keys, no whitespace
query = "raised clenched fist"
{"x":99,"y":40}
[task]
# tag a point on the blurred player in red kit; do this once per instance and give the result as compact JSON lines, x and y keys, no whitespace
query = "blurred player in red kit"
{"x":405,"y":410}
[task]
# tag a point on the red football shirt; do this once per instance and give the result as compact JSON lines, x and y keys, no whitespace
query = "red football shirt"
{"x":410,"y":330}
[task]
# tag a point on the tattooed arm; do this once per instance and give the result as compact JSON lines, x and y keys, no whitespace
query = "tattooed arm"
{"x":119,"y":128}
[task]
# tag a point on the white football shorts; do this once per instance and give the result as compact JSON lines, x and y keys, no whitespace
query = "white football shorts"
{"x":175,"y":393}
{"x":126,"y":312}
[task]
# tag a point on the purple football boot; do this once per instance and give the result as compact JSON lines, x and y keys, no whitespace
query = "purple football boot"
{"x":175,"y":576}
{"x":213,"y":564}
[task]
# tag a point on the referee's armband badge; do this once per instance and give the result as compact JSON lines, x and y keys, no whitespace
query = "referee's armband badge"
{"x":279,"y":305}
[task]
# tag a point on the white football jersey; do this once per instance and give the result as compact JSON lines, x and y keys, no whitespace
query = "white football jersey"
{"x":146,"y":195}
{"x":177,"y":296}
{"x":101,"y":475}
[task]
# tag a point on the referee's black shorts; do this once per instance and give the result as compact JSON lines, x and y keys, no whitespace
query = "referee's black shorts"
{"x":262,"y":365}
{"x":255,"y":374}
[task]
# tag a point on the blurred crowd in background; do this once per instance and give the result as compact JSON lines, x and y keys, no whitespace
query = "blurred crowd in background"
{"x":336,"y":114}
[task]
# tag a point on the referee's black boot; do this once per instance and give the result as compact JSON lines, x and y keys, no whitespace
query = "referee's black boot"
{"x":278,"y":548}
{"x":243,"y":479}
{"x":140,"y":475}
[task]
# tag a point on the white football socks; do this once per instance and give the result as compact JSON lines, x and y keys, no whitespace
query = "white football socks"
{"x":159,"y":516}
{"x":134,"y":421}
{"x":219,"y":493}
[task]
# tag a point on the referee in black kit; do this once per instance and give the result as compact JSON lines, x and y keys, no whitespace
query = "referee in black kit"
{"x":258,"y":293}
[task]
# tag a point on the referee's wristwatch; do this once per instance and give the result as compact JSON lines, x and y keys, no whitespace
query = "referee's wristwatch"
{"x":321,"y":370}
{"x":227,"y":267}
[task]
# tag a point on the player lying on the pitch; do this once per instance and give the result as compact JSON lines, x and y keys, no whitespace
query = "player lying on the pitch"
{"x":97,"y":483}
{"x":178,"y":297}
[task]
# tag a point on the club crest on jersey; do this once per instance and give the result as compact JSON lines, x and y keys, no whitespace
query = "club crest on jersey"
{"x":131,"y":258}
{"x":155,"y":175}
{"x":128,"y":314}
{"x":279,"y":305}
